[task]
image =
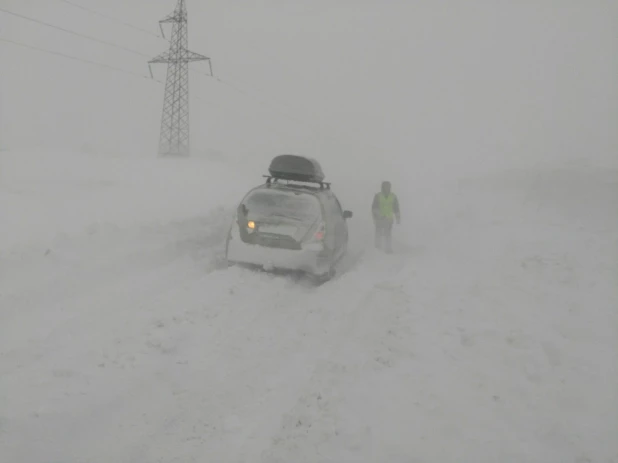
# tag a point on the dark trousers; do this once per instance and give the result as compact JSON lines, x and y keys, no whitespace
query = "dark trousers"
{"x":383,"y":236}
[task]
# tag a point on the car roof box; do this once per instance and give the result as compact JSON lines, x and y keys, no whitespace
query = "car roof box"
{"x":295,"y":167}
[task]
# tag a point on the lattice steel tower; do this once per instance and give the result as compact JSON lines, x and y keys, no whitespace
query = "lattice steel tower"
{"x":174,"y":136}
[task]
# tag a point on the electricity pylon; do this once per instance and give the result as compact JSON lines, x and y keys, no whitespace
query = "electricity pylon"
{"x":174,"y":136}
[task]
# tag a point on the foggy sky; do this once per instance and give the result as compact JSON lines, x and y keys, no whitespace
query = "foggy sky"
{"x":439,"y":81}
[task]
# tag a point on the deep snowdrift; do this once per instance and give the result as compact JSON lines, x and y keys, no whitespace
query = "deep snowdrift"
{"x":491,"y":336}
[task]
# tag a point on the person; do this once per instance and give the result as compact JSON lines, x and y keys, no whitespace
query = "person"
{"x":385,"y":210}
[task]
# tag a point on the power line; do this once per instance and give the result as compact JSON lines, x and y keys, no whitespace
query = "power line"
{"x":232,"y":86}
{"x":95,"y":63}
{"x":124,"y":71}
{"x":321,"y":129}
{"x":107,"y":66}
{"x":103,"y":65}
{"x":27,"y":18}
{"x":317,"y":128}
{"x":112,"y":19}
{"x":240,"y":91}
{"x":259,"y":100}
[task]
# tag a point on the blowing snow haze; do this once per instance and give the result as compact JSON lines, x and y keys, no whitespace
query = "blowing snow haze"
{"x":490,"y":333}
{"x":421,"y":82}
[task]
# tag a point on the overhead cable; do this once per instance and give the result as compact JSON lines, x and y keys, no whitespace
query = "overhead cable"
{"x":27,"y":18}
{"x":96,"y":13}
{"x":95,"y":63}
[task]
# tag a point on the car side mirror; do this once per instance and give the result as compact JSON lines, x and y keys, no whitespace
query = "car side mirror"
{"x":347,"y":214}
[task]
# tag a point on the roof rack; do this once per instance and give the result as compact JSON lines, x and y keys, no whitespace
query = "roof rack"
{"x":270,"y":179}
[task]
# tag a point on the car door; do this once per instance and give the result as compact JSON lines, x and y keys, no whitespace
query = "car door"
{"x":336,"y":216}
{"x":343,"y":225}
{"x":330,"y":238}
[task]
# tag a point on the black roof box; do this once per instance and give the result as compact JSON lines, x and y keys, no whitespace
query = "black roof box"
{"x":295,"y":167}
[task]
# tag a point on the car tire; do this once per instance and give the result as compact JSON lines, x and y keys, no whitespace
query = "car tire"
{"x":324,"y":277}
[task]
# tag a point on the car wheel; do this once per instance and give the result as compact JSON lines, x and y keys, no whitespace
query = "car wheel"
{"x":325,"y":277}
{"x":227,"y":246}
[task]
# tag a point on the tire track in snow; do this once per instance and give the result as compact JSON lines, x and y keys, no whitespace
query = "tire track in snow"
{"x":137,"y":333}
{"x":314,"y":428}
{"x":238,"y":365}
{"x":151,"y":345}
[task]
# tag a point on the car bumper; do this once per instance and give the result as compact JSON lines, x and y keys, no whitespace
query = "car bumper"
{"x":310,"y":259}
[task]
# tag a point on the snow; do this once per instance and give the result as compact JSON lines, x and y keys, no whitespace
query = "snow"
{"x":68,"y":193}
{"x":490,"y":335}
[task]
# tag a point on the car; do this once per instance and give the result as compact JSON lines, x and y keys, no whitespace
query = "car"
{"x":291,"y":222}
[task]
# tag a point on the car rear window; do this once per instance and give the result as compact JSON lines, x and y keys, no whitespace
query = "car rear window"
{"x":285,"y":204}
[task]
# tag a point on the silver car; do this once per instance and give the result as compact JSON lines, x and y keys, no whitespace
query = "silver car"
{"x":293,"y":221}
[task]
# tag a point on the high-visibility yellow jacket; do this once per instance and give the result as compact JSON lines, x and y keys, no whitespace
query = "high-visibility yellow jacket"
{"x":386,"y":207}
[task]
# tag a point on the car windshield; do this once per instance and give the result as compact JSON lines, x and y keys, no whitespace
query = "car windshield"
{"x":283,"y":204}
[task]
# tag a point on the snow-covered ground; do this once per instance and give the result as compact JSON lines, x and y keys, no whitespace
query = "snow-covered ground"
{"x":490,"y":336}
